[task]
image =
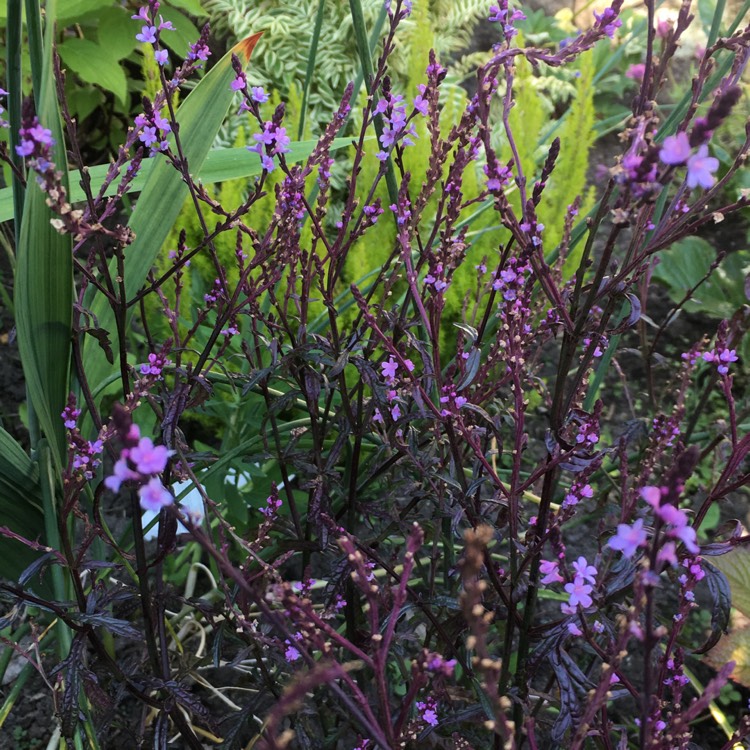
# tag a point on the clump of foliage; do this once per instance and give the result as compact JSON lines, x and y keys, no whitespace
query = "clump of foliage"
{"x":419,"y":518}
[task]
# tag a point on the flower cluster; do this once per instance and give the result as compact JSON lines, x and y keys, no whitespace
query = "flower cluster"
{"x":35,"y":142}
{"x":153,"y":129}
{"x":151,"y":31}
{"x":723,"y":357}
{"x":140,"y":462}
{"x":83,"y":454}
{"x":428,"y":711}
{"x":155,"y":365}
{"x":511,"y":279}
{"x":451,"y":401}
{"x":502,"y":14}
{"x":272,"y":141}
{"x":607,"y":21}
{"x":580,"y":588}
{"x":396,"y":124}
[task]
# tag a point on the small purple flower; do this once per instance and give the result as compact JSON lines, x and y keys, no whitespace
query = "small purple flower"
{"x":584,"y":571}
{"x":282,"y":141}
{"x":675,"y":149}
{"x":389,"y":369}
{"x":636,"y":72}
{"x":700,"y":167}
{"x":154,"y":496}
{"x":142,"y":14}
{"x":579,"y":593}
{"x":420,"y":103}
{"x":549,"y":569}
{"x":239,"y":83}
{"x":258,"y":94}
{"x":41,"y":135}
{"x":165,"y":25}
{"x":629,"y":538}
{"x":120,"y":473}
{"x":291,"y":653}
{"x":161,"y":56}
{"x":147,"y":35}
{"x":149,"y":458}
{"x":148,"y":136}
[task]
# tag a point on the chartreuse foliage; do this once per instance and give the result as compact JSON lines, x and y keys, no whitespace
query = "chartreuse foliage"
{"x":735,"y":646}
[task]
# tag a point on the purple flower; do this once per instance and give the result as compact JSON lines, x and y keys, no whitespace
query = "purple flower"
{"x":629,"y":538}
{"x":120,"y":473}
{"x":162,"y":123}
{"x":700,"y":167}
{"x":675,"y":149}
{"x":549,"y":570}
{"x":291,"y":653}
{"x":636,"y":72}
{"x":389,"y":369}
{"x":687,"y":535}
{"x":584,"y":571}
{"x":149,"y":458}
{"x":162,"y":56}
{"x":154,"y":496}
{"x":239,"y":83}
{"x":608,"y":21}
{"x":428,"y":710}
{"x":142,"y":14}
{"x":258,"y":94}
{"x":148,"y":136}
{"x":579,"y":593}
{"x":165,"y":25}
{"x":282,"y":141}
{"x":41,"y":135}
{"x":147,"y":35}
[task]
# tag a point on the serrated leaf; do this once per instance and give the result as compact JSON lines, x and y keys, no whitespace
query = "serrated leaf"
{"x":92,"y":63}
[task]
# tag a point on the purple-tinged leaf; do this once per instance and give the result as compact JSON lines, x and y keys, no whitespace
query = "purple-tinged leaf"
{"x":721,"y":604}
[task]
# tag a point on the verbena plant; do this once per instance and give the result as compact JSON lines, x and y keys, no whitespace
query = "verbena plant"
{"x":459,"y":541}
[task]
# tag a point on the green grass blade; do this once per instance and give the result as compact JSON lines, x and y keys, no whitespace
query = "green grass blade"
{"x":20,"y":506}
{"x":311,"y":58}
{"x":200,"y":116}
{"x":44,"y":281}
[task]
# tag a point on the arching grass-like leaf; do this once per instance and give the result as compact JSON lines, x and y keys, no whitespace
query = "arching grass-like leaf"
{"x":200,"y":116}
{"x":43,"y":284}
